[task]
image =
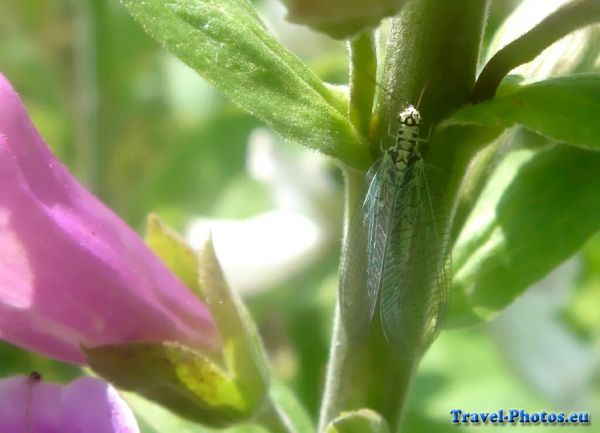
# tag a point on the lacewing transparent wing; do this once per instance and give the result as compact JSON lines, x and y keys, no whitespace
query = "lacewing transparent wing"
{"x":358,"y":297}
{"x":406,"y":248}
{"x":414,"y":282}
{"x":354,"y":298}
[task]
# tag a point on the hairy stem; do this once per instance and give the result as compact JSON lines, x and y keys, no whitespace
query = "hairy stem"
{"x":431,"y":59}
{"x":341,"y":387}
{"x":432,"y":51}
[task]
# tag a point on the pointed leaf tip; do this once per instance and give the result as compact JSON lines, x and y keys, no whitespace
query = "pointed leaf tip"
{"x":172,"y":249}
{"x":242,"y":346}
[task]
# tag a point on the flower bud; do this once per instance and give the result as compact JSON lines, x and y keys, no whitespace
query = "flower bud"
{"x":72,"y":273}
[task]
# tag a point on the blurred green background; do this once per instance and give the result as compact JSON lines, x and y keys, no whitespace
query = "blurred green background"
{"x":146,"y":134}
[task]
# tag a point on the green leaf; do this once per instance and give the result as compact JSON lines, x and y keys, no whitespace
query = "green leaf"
{"x":179,"y":257}
{"x":242,"y":347}
{"x":227,"y":44}
{"x":341,"y":18}
{"x":567,"y":18}
{"x":563,"y":109}
{"x":178,"y":378}
{"x":538,"y":209}
{"x":359,"y":421}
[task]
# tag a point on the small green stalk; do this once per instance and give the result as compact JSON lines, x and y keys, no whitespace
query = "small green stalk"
{"x":363,"y":70}
{"x":345,"y":359}
{"x":273,"y":419}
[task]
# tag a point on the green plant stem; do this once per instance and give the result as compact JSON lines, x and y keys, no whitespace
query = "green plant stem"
{"x":340,"y":364}
{"x":433,"y":46}
{"x":570,"y":17}
{"x":431,"y":58}
{"x":389,"y":378}
{"x":431,"y":62}
{"x":345,"y":359}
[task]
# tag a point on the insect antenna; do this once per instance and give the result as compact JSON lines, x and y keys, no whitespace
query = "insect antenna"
{"x":421,"y":97}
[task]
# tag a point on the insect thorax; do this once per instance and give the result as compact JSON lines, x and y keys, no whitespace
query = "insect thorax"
{"x":405,"y":151}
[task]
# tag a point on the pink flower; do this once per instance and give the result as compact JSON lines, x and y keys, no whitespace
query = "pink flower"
{"x":71,"y":272}
{"x":84,"y":405}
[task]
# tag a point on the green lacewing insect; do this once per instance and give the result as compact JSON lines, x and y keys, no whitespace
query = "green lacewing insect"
{"x":405,"y":246}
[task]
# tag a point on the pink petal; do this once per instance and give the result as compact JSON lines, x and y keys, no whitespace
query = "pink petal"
{"x":43,"y":406}
{"x":71,"y":272}
{"x":103,"y":410}
{"x":86,"y":405}
{"x":14,"y":394}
